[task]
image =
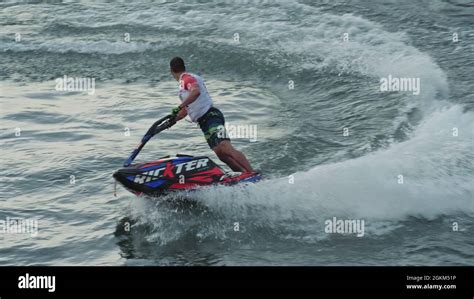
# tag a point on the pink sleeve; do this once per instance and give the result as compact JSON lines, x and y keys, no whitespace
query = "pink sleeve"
{"x":189,"y":81}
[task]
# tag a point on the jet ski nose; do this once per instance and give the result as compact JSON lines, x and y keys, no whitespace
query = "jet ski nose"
{"x":116,"y":174}
{"x":119,"y":175}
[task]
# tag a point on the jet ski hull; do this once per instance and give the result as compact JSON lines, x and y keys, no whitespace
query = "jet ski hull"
{"x":177,"y":173}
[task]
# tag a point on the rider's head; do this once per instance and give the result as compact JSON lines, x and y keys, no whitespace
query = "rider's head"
{"x":177,"y":67}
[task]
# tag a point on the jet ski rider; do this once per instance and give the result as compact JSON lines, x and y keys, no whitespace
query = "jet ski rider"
{"x":197,"y":103}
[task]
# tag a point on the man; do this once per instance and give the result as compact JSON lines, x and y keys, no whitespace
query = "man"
{"x":197,"y":103}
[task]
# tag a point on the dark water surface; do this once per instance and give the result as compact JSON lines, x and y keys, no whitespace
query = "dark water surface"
{"x":300,"y":131}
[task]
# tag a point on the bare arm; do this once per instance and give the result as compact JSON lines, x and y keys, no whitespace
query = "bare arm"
{"x":182,"y":114}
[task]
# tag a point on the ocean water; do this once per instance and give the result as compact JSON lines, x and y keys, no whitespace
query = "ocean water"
{"x":58,"y":169}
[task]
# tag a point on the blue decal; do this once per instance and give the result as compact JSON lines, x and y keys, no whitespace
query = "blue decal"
{"x":155,"y":184}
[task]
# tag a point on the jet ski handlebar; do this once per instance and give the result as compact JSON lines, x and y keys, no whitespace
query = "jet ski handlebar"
{"x":162,"y":124}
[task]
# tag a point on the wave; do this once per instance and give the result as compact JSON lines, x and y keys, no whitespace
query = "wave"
{"x":82,"y":47}
{"x":436,"y":168}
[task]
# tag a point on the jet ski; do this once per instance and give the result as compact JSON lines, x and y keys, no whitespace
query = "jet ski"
{"x":180,"y":172}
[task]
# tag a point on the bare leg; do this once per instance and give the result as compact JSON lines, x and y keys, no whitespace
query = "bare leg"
{"x":242,"y":160}
{"x":232,"y":157}
{"x":231,"y":163}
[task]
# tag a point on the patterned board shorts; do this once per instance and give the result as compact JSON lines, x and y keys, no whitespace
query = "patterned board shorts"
{"x":212,"y":125}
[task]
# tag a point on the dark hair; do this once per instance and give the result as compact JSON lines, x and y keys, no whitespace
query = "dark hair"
{"x":177,"y":65}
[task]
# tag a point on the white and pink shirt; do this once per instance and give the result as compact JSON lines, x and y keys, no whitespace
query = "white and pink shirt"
{"x":200,"y":106}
